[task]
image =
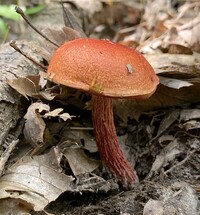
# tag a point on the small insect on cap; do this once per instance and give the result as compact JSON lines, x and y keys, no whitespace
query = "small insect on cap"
{"x":104,"y":68}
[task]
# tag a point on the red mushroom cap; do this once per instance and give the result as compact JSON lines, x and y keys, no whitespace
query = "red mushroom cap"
{"x":104,"y":68}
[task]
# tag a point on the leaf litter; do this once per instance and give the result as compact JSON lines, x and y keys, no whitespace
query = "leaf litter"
{"x":164,"y":142}
{"x":31,"y":178}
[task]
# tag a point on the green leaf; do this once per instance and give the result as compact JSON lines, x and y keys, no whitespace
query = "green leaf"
{"x":34,"y":10}
{"x":3,"y":28}
{"x":8,"y":11}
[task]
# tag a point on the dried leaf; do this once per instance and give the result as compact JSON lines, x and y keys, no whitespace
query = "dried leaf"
{"x":175,"y":64}
{"x":79,"y":162}
{"x":59,"y":36}
{"x":164,"y":138}
{"x":179,"y":49}
{"x":25,"y":86}
{"x":57,"y":113}
{"x":188,"y":114}
{"x":35,"y":182}
{"x":35,"y":126}
{"x":32,"y":86}
{"x":65,"y":116}
{"x":167,"y":121}
{"x":53,"y":113}
{"x":166,"y":155}
{"x":174,"y":83}
{"x":80,"y":134}
{"x":191,"y":124}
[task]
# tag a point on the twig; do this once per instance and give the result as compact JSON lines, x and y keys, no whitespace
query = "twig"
{"x":10,"y":142}
{"x":13,"y":44}
{"x":66,"y":15}
{"x":71,"y":21}
{"x":20,"y":11}
{"x":180,"y":163}
{"x":6,"y":155}
{"x":81,"y":128}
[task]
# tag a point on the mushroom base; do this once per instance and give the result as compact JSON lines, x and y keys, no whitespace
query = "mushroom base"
{"x":106,"y":140}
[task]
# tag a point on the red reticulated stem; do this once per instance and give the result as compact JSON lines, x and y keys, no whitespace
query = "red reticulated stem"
{"x":106,"y":140}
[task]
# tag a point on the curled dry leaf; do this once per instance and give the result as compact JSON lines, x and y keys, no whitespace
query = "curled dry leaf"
{"x":167,"y":121}
{"x":173,"y":64}
{"x":59,"y":36}
{"x":79,"y":162}
{"x":53,"y":113}
{"x":35,"y":126}
{"x":65,"y":116}
{"x":171,"y":32}
{"x":34,"y":182}
{"x":179,"y":81}
{"x":80,"y":135}
{"x":191,"y":119}
{"x":34,"y":129}
{"x":189,"y":125}
{"x":174,"y":83}
{"x":57,"y":113}
{"x":166,"y":155}
{"x":32,"y":86}
{"x":27,"y":86}
{"x":188,"y":114}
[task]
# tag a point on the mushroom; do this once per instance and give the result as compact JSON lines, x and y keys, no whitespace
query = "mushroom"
{"x":106,"y":70}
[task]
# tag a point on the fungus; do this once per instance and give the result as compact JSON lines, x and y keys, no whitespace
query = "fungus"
{"x":106,"y":70}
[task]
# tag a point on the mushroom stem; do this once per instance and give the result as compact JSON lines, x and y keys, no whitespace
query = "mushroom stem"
{"x":106,"y":139}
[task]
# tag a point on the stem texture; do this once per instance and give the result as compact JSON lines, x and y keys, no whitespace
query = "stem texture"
{"x":106,"y":139}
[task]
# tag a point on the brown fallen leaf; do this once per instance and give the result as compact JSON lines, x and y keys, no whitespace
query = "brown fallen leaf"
{"x":79,"y":162}
{"x":57,"y":113}
{"x":80,"y":135}
{"x":34,"y":182}
{"x":167,"y":121}
{"x":25,"y":86}
{"x":58,"y":36}
{"x":34,"y":127}
{"x":33,"y":86}
{"x":166,"y":155}
{"x":188,"y":114}
{"x":35,"y":130}
{"x":190,"y":125}
{"x":174,"y":83}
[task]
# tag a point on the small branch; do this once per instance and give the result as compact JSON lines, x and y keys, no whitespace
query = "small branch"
{"x":81,"y":128}
{"x":13,"y":44}
{"x":180,"y":163}
{"x":10,"y":142}
{"x":6,"y":155}
{"x":71,"y":21}
{"x":67,"y":17}
{"x":20,"y":11}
